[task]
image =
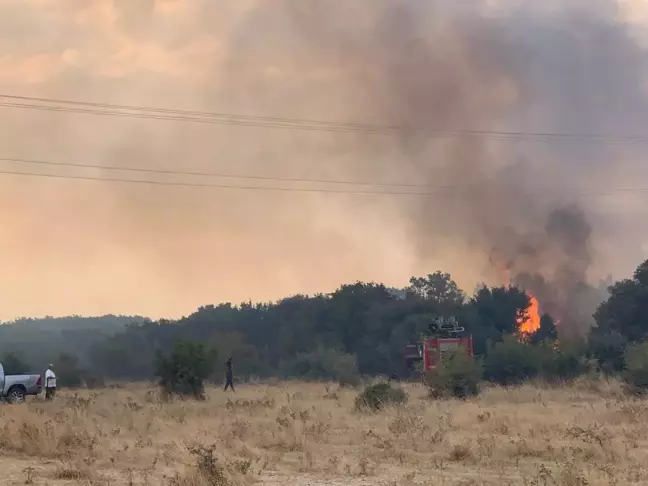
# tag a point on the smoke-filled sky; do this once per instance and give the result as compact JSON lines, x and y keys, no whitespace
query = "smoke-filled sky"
{"x":566,"y":66}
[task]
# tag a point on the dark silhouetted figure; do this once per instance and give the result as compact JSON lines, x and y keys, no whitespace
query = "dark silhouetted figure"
{"x":229,"y":376}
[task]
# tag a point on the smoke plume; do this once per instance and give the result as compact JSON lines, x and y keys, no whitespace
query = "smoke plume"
{"x":527,"y":209}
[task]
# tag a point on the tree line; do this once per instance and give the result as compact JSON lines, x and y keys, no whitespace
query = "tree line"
{"x":358,"y":330}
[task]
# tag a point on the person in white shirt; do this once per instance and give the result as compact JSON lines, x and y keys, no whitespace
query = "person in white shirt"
{"x":50,"y":383}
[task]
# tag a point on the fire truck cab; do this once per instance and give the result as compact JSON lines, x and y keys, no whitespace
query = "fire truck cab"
{"x":446,"y":337}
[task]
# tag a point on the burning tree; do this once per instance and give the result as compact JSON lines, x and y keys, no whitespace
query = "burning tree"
{"x":529,"y":320}
{"x":534,"y":327}
{"x":551,"y":264}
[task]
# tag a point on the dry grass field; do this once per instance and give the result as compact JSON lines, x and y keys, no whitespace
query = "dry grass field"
{"x":307,"y":434}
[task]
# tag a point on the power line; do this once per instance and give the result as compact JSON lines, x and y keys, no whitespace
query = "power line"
{"x":214,"y":186}
{"x":267,"y":178}
{"x":281,"y":189}
{"x":130,"y":111}
{"x":233,"y":120}
{"x":217,"y":175}
{"x":152,"y":116}
{"x":194,"y":113}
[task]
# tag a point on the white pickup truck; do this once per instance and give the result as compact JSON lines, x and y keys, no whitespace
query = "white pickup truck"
{"x":14,"y":388}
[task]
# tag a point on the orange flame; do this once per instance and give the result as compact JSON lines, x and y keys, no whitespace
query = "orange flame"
{"x":532,"y":322}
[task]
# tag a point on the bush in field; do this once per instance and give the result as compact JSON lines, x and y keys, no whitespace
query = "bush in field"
{"x":511,"y":362}
{"x":94,"y":381}
{"x":560,"y":362}
{"x":68,"y":372}
{"x":456,"y":375}
{"x":346,"y":371}
{"x":323,"y":364}
{"x":377,"y":396}
{"x":608,"y":349}
{"x":185,"y":370}
{"x":636,"y":372}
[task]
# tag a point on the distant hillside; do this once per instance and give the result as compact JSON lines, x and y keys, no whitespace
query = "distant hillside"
{"x":41,"y":340}
{"x":108,"y":323}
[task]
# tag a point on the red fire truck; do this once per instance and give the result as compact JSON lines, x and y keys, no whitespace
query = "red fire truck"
{"x":446,"y":336}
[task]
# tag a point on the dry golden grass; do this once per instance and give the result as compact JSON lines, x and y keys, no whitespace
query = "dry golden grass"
{"x":299,"y":434}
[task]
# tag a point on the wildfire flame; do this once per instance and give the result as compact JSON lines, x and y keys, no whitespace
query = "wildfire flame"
{"x":532,"y":322}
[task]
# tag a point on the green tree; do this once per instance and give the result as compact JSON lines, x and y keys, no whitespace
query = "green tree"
{"x":131,"y":353}
{"x":349,"y":307}
{"x":14,"y":364}
{"x":360,"y":329}
{"x":621,"y":320}
{"x":641,"y":274}
{"x":234,"y":345}
{"x":437,"y":287}
{"x":185,"y":370}
{"x":608,"y":349}
{"x":39,"y":341}
{"x":323,"y":364}
{"x":559,"y":362}
{"x":510,"y":362}
{"x":546,"y":332}
{"x":636,"y":373}
{"x":68,"y":372}
{"x":626,"y":310}
{"x":494,"y":313}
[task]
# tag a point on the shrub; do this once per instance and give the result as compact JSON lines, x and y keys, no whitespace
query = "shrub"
{"x":375,"y":397}
{"x":636,"y":372}
{"x":559,"y":363}
{"x":547,"y":331}
{"x":68,"y":372}
{"x":510,"y":362}
{"x":457,"y":375}
{"x":346,"y":371}
{"x":324,"y":364}
{"x":208,"y":467}
{"x":608,"y":349}
{"x":94,"y":381}
{"x":185,"y":370}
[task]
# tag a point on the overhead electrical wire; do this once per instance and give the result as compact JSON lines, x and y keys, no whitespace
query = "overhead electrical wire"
{"x":130,"y":111}
{"x":217,"y":174}
{"x":190,"y":112}
{"x":608,"y":192}
{"x":107,"y":109}
{"x":210,"y":121}
{"x":214,"y":186}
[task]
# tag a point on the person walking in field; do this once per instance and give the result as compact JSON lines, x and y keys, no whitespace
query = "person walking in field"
{"x":50,"y":383}
{"x":229,"y":376}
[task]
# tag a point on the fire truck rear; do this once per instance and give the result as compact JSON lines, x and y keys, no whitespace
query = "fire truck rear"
{"x":446,"y":336}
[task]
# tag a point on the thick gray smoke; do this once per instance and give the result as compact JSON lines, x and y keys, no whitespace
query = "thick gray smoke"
{"x":569,"y":67}
{"x":521,"y":209}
